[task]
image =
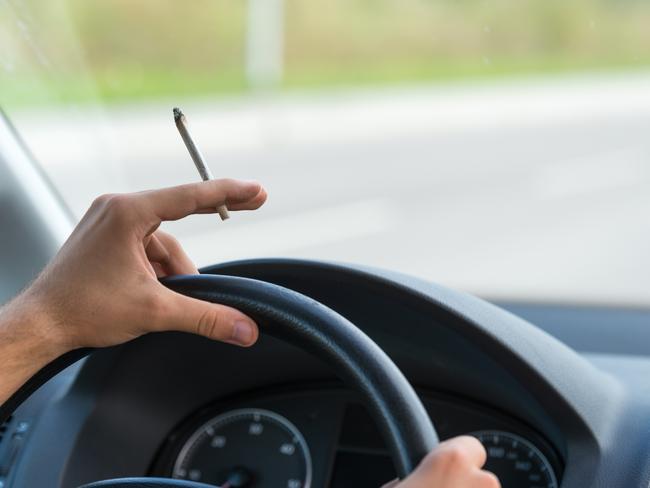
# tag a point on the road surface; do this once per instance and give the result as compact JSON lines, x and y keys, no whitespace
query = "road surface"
{"x":534,"y":188}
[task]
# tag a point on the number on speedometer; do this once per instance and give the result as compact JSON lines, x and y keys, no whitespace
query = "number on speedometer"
{"x":515,"y":461}
{"x":246,"y":448}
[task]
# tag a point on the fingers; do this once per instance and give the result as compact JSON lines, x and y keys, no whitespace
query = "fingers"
{"x":466,"y":447}
{"x":143,"y":212}
{"x":167,"y":256}
{"x":180,"y":201}
{"x":156,"y":254}
{"x":178,"y":312}
{"x":456,"y":462}
{"x":253,"y":204}
{"x":217,"y":322}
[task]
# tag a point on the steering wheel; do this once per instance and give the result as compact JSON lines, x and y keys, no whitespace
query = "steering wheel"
{"x":310,"y":325}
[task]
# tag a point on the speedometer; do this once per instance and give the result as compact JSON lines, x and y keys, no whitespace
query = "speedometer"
{"x":515,"y":461}
{"x":250,"y":448}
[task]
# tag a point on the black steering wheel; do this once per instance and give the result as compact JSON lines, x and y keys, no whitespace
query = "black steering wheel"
{"x":308,"y":324}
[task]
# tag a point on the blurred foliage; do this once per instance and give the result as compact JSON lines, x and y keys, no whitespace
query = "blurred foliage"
{"x":74,"y":50}
{"x":428,"y":39}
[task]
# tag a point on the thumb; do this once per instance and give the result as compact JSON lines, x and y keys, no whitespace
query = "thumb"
{"x":211,"y":320}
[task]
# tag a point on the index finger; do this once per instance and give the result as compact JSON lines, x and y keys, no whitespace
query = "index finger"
{"x":180,"y":201}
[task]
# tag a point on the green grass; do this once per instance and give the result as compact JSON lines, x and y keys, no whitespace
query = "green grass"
{"x":441,"y":72}
{"x":120,"y":50}
{"x":160,"y":85}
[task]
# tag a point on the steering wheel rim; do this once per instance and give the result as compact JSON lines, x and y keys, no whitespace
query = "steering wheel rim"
{"x":310,"y":325}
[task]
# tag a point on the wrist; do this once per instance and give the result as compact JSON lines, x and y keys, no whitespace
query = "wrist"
{"x":28,"y":342}
{"x":28,"y":328}
{"x":31,"y":336}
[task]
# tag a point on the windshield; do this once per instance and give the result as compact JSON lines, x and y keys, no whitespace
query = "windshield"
{"x":500,"y":147}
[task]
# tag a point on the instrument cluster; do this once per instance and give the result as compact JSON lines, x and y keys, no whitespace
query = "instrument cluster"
{"x":326,"y":438}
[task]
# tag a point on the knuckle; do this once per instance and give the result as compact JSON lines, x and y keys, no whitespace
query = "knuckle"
{"x":172,"y":242}
{"x":117,"y":203}
{"x":114,"y":205}
{"x":212,"y":325}
{"x":222,"y":187}
{"x":452,"y":458}
{"x":102,"y":200}
{"x":224,"y":182}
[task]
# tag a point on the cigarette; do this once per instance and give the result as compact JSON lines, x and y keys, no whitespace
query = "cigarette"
{"x":197,"y":157}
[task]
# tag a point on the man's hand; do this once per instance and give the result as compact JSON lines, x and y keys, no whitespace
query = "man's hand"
{"x":455,"y":463}
{"x":102,"y":288}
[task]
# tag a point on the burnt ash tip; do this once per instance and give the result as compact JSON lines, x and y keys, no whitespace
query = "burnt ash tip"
{"x":177,"y":113}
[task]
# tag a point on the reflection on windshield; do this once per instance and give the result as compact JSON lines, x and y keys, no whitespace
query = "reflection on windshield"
{"x":500,"y":148}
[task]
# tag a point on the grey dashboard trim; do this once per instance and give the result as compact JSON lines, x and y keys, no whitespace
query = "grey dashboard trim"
{"x":567,"y":385}
{"x":602,"y":416}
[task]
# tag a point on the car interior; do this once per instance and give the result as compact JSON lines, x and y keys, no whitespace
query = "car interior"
{"x":367,"y":357}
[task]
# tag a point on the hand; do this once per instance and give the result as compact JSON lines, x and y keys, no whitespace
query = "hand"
{"x":102,"y":287}
{"x":455,"y":463}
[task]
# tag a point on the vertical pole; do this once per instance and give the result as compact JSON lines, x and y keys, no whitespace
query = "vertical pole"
{"x":265,"y":43}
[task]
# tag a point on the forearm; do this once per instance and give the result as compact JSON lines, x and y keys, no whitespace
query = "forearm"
{"x":26,"y":344}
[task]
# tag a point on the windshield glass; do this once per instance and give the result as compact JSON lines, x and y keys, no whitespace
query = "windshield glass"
{"x":500,"y":147}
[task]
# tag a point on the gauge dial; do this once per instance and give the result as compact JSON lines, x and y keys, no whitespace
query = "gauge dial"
{"x":515,"y":461}
{"x":246,"y":448}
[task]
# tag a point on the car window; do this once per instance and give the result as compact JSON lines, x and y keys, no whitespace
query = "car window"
{"x":495,"y":146}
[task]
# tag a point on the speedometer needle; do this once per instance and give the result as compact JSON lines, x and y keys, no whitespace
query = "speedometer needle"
{"x":238,"y":478}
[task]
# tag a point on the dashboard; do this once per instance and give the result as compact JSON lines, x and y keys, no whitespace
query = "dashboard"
{"x":566,"y":404}
{"x":323,"y":436}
